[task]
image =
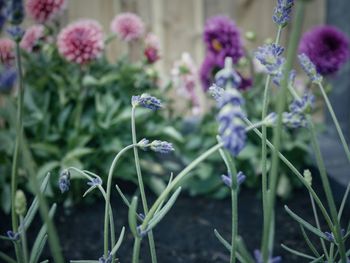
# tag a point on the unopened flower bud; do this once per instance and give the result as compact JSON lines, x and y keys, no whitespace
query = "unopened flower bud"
{"x":308,"y":177}
{"x":250,"y":35}
{"x":20,"y":203}
{"x":64,"y":181}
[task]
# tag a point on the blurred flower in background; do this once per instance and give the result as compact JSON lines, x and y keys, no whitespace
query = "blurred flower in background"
{"x":8,"y":76}
{"x":7,"y":52}
{"x":222,"y":39}
{"x":327,"y":47}
{"x":184,"y":76}
{"x":152,"y":48}
{"x":128,"y":26}
{"x":43,"y":11}
{"x":32,"y":38}
{"x":81,"y":42}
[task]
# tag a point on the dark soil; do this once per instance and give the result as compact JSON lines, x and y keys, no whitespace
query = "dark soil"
{"x":186,"y":234}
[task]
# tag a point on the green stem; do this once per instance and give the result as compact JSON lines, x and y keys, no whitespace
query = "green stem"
{"x":318,"y":226}
{"x":141,"y":186}
{"x":43,"y":207}
{"x":281,"y":102}
{"x":176,"y":181}
{"x":136,"y":250}
{"x":24,"y":240}
{"x":328,"y":191}
{"x":109,"y":213}
{"x":264,"y":137}
{"x":335,"y":120}
{"x":19,"y":132}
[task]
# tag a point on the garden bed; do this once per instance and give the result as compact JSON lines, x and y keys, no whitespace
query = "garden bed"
{"x":186,"y":233}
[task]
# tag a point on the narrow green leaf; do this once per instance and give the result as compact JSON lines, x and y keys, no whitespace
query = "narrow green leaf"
{"x":297,"y":253}
{"x":119,"y":242}
{"x":160,"y":215}
{"x":6,"y":258}
{"x":41,"y":238}
{"x":132,"y":217}
{"x":35,"y":204}
{"x":305,"y":224}
{"x":343,"y":202}
{"x":125,"y":200}
{"x":228,"y":246}
{"x":308,"y":242}
{"x":320,"y":259}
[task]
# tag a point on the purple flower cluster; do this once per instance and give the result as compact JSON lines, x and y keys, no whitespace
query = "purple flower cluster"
{"x":270,"y":56}
{"x":147,"y":101}
{"x":232,"y":130}
{"x":222,"y":39}
{"x":15,"y":11}
{"x":327,"y":47}
{"x":309,"y":68}
{"x":281,"y":14}
{"x":227,"y":75}
{"x":227,"y":179}
{"x":161,"y":146}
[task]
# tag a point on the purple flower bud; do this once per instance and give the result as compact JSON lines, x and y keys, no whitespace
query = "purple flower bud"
{"x":96,"y":181}
{"x":64,"y":181}
{"x":147,"y":101}
{"x":282,"y":11}
{"x":161,"y":146}
{"x":227,"y":179}
{"x":309,"y":68}
{"x":16,"y":33}
{"x":14,"y":236}
{"x":107,"y":259}
{"x":141,"y":233}
{"x":15,"y":11}
{"x":259,"y":258}
{"x":143,"y":144}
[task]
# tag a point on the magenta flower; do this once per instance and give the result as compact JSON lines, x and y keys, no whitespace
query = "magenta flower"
{"x":7,"y":51}
{"x":128,"y":26}
{"x":43,"y":11}
{"x":327,"y":47}
{"x":152,"y":48}
{"x":81,"y":42}
{"x":222,"y":38}
{"x":32,"y":38}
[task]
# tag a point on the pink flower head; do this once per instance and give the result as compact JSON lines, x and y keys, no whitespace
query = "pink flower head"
{"x":32,"y":37}
{"x":7,"y":54}
{"x":81,"y":41}
{"x":44,"y":10}
{"x":152,"y":47}
{"x":184,"y":75}
{"x":128,"y":26}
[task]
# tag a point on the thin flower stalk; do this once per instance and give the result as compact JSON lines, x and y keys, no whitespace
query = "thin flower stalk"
{"x":24,"y":240}
{"x":141,"y":186}
{"x":292,"y":48}
{"x":335,"y":120}
{"x":108,"y":197}
{"x":264,"y":134}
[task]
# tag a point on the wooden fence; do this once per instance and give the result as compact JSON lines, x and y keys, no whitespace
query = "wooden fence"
{"x":179,"y":23}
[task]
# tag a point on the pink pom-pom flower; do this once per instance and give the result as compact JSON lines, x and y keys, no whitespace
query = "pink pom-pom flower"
{"x":7,"y":51}
{"x":81,"y":41}
{"x":32,"y":38}
{"x":128,"y":26}
{"x":152,"y":47}
{"x":45,"y":10}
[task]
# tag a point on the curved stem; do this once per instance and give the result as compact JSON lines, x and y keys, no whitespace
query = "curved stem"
{"x":177,"y":180}
{"x":328,"y":191}
{"x":141,"y":186}
{"x":264,"y":137}
{"x":292,"y":48}
{"x":108,"y":196}
{"x":335,"y":120}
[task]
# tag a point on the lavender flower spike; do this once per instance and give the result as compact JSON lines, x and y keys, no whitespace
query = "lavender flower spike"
{"x":162,"y":146}
{"x":228,"y":75}
{"x":281,"y":14}
{"x":95,"y":182}
{"x":64,"y":181}
{"x":309,"y":68}
{"x":147,"y":101}
{"x":270,"y":56}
